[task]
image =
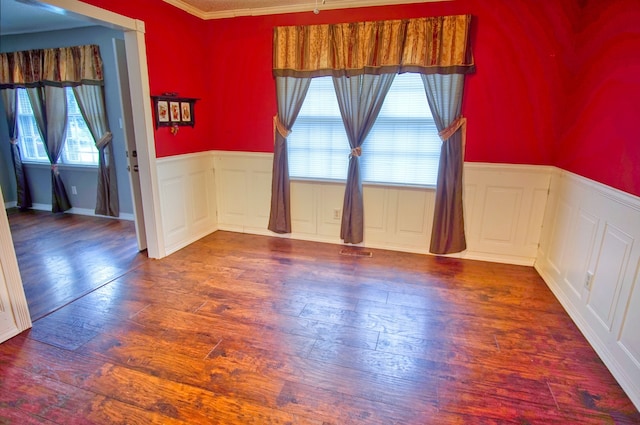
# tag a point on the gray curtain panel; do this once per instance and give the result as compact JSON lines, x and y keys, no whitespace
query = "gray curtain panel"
{"x":91,"y":102}
{"x":444,"y":94}
{"x":290,"y":93}
{"x":49,"y":106}
{"x":360,"y":99}
{"x":10,"y":100}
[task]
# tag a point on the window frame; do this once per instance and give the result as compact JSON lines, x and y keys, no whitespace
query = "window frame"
{"x":435,"y":142}
{"x":38,"y":143}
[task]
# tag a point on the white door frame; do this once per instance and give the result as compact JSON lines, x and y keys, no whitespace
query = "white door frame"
{"x":130,"y":141}
{"x":11,"y":278}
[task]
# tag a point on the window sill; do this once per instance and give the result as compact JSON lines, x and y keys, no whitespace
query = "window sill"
{"x":364,"y":183}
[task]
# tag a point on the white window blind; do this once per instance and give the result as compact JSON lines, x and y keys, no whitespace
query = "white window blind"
{"x":31,"y":146}
{"x":403,"y":146}
{"x":79,"y":147}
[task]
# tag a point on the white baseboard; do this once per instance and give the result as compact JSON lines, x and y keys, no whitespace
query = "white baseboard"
{"x":388,"y":247}
{"x":177,"y":247}
{"x":89,"y":212}
{"x":41,"y":207}
{"x":81,"y":211}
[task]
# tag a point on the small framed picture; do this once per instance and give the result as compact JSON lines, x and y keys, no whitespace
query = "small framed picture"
{"x":185,"y":108}
{"x":163,"y":111}
{"x":174,"y":108}
{"x":172,"y":111}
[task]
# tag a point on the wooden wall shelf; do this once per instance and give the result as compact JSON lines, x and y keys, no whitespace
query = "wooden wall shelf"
{"x":171,"y":111}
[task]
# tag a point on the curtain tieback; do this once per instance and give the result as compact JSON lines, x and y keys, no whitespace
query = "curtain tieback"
{"x":458,"y":123}
{"x":104,"y":140}
{"x":54,"y":169}
{"x":453,"y":127}
{"x":356,"y":152}
{"x":13,"y":141}
{"x":280,"y":128}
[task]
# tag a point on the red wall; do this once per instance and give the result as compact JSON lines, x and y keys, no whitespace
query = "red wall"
{"x":511,"y":102}
{"x":553,"y":86}
{"x":178,"y":62}
{"x":601,"y":139}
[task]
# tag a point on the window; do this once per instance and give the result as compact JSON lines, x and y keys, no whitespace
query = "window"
{"x":403,"y":146}
{"x":79,"y":147}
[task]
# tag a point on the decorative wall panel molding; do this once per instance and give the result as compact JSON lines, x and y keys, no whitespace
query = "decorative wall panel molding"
{"x":590,"y":257}
{"x":187,"y":198}
{"x":504,"y":208}
{"x":243,"y":191}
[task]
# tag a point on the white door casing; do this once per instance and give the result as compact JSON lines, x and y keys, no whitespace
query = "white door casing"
{"x":14,"y":312}
{"x":130,"y":141}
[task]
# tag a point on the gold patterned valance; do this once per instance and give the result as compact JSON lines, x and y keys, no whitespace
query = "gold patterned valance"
{"x":438,"y":45}
{"x":65,"y":66}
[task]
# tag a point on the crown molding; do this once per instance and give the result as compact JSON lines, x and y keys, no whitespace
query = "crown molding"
{"x":276,"y":10}
{"x":187,"y":8}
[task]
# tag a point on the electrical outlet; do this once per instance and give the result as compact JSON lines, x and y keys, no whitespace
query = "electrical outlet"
{"x":74,"y":191}
{"x":588,"y":280}
{"x":336,"y":214}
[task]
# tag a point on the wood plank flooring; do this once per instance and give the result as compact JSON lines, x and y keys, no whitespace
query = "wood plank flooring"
{"x":242,"y":329}
{"x":64,"y":256}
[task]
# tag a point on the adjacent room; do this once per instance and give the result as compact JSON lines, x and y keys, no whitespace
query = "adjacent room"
{"x":56,"y":267}
{"x":294,"y":211}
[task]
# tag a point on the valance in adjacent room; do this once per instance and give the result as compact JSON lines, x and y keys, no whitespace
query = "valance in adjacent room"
{"x":65,"y":66}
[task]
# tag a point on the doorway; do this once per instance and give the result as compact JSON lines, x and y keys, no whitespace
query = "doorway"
{"x":141,"y":123}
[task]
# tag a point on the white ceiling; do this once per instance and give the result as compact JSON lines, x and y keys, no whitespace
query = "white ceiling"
{"x":22,"y":16}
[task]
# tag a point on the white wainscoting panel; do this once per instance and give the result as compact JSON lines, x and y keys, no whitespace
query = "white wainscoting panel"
{"x":243,"y":191}
{"x":500,"y":215}
{"x":577,"y":259}
{"x":231,"y":196}
{"x":608,"y":278}
{"x":504,"y":208}
{"x":174,"y":209}
{"x":187,"y":198}
{"x":376,"y":219}
{"x":629,"y":341}
{"x":330,"y":197}
{"x":590,"y":257}
{"x":398,"y":218}
{"x":304,"y":211}
{"x":259,"y":196}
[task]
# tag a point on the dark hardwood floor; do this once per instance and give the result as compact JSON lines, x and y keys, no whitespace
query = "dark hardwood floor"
{"x":65,"y":256}
{"x":241,"y":329}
